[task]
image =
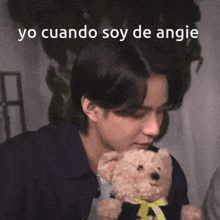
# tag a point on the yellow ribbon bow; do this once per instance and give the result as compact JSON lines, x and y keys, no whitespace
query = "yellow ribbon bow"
{"x":145,"y":205}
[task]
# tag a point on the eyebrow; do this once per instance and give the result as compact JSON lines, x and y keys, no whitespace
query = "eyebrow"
{"x":138,"y":107}
{"x":150,"y":107}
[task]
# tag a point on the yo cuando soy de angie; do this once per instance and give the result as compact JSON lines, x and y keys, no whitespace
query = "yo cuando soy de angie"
{"x":121,"y":34}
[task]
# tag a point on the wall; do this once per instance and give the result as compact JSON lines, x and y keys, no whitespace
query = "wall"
{"x":28,"y":58}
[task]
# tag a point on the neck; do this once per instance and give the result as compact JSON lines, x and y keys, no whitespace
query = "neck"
{"x":93,"y":147}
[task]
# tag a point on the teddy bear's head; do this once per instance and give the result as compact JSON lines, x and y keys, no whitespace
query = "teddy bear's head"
{"x":137,"y":173}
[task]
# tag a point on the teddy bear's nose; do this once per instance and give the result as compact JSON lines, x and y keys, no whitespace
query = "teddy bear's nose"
{"x":155,"y":176}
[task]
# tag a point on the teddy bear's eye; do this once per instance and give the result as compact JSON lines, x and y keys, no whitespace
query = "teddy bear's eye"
{"x":140,"y":167}
{"x":158,"y":168}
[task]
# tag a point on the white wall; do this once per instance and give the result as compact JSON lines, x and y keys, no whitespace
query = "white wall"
{"x":28,"y":58}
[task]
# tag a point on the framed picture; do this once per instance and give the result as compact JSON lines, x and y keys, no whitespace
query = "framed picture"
{"x":12,"y":117}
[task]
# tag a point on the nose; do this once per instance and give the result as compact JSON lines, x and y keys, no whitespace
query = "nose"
{"x":155,"y":176}
{"x":151,"y":126}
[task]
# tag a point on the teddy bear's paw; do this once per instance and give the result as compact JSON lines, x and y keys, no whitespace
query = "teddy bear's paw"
{"x":110,"y":209}
{"x":192,"y":213}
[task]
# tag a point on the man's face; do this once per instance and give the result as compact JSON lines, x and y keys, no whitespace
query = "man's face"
{"x":120,"y":133}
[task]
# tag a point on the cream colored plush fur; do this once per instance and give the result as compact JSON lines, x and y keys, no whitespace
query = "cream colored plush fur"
{"x":136,"y":174}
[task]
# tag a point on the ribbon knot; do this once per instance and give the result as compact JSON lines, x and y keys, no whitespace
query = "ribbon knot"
{"x":145,"y":205}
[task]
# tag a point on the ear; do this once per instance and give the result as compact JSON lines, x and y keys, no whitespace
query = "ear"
{"x":90,"y":108}
{"x":107,"y":164}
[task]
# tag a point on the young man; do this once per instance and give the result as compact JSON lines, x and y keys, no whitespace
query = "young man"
{"x":119,"y":104}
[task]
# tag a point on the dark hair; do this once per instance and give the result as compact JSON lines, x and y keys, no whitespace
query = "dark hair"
{"x":113,"y":74}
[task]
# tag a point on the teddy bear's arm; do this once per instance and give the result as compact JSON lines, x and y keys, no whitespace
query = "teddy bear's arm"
{"x":110,"y":209}
{"x":191,"y":213}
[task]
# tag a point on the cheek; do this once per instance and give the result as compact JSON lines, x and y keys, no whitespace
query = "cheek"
{"x":124,"y":128}
{"x":118,"y":132}
{"x":128,"y":128}
{"x":160,"y":119}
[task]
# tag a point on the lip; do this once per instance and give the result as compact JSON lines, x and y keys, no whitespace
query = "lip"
{"x":143,"y":144}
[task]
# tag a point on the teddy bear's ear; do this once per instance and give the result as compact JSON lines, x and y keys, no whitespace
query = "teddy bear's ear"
{"x":107,"y":163}
{"x":164,"y":156}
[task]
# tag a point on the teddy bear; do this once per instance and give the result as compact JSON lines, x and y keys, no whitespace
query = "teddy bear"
{"x":141,"y":181}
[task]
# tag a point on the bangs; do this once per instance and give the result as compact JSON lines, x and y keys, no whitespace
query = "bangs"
{"x":131,"y":106}
{"x":126,"y":90}
{"x":118,"y":82}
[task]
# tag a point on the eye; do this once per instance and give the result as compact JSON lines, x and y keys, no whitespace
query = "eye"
{"x":158,"y":168}
{"x":141,"y":113}
{"x":140,"y":167}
